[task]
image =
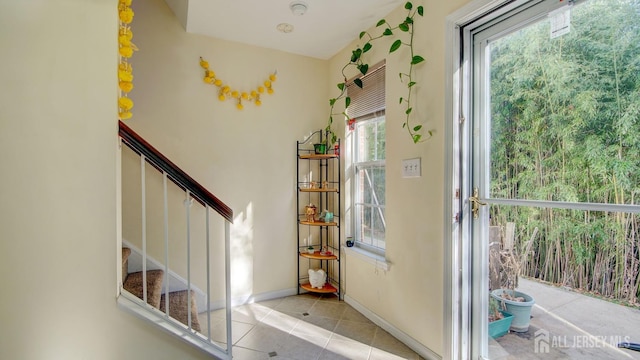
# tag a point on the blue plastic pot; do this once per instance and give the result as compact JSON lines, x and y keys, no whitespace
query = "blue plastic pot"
{"x":521,"y":311}
{"x":500,"y":327}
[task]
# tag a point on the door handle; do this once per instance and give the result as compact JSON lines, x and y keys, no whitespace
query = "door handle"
{"x":475,"y":203}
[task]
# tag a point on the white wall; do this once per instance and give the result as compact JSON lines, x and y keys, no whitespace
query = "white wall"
{"x":245,"y":157}
{"x":58,"y":196}
{"x":410,"y":295}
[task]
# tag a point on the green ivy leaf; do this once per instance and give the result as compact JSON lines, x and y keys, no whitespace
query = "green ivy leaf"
{"x":381,"y":22}
{"x":408,"y":20}
{"x":408,"y":5}
{"x":416,"y":138}
{"x":363,"y":68}
{"x":332,"y":102}
{"x":341,"y":86}
{"x":330,"y":122}
{"x":347,"y":102}
{"x":417,"y":128}
{"x":366,"y":47}
{"x":400,"y":100}
{"x":411,"y":84}
{"x":420,"y":10}
{"x":417,"y":60}
{"x":395,"y":46}
{"x":362,"y":34}
{"x":355,"y":54}
{"x":404,"y":125}
{"x":387,"y":32}
{"x":408,"y":111}
{"x":358,"y":82}
{"x":404,"y":27}
{"x":334,"y":138}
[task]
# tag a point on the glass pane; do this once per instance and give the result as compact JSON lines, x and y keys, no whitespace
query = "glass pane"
{"x":564,"y":127}
{"x":381,"y":139}
{"x":377,"y":177}
{"x":594,"y":253}
{"x":370,"y":187}
{"x":564,"y":111}
{"x":363,"y":186}
{"x":378,"y":227}
{"x":363,"y":224}
{"x":371,"y":140}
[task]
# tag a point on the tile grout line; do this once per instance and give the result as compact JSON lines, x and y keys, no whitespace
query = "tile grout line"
{"x":253,"y":326}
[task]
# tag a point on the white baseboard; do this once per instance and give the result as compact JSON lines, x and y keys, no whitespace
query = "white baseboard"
{"x":251,"y":298}
{"x":412,"y":343}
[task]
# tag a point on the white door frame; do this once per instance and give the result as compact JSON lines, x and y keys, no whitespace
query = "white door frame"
{"x":457,"y":228}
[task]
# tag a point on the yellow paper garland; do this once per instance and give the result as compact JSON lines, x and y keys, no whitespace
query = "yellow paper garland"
{"x":125,"y":49}
{"x":226,"y":92}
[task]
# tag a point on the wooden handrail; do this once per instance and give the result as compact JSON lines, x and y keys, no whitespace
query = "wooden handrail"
{"x":175,"y":174}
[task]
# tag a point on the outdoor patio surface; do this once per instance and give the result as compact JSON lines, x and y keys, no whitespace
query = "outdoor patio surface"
{"x":569,"y":325}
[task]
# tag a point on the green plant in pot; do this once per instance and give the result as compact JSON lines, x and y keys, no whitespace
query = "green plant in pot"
{"x":320,"y":148}
{"x":510,"y":300}
{"x":499,"y":320}
{"x":356,"y":61}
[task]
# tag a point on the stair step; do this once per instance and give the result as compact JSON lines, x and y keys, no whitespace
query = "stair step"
{"x":133,"y":284}
{"x":178,"y":308}
{"x":125,"y":263}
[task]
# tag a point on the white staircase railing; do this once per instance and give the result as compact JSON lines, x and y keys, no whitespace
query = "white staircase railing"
{"x":193,"y":191}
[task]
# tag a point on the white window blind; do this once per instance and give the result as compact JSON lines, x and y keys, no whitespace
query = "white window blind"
{"x":371,"y":97}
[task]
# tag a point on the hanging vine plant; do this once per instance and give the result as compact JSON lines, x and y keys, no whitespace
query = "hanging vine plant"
{"x":356,"y":60}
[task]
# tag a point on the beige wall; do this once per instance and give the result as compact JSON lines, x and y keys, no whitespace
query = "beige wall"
{"x":410,"y":295}
{"x":246,"y":158}
{"x":58,"y":151}
{"x":58,"y":194}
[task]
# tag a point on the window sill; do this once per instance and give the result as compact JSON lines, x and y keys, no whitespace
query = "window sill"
{"x":377,"y":260}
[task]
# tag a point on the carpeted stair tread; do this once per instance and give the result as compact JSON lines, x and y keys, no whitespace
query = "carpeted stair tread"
{"x":125,"y":262}
{"x":133,"y":284}
{"x":178,"y":308}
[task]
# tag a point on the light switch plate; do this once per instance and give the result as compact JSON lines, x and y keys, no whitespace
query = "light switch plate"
{"x":411,"y":168}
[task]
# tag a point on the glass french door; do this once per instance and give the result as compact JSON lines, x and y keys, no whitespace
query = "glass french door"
{"x":553,"y":145}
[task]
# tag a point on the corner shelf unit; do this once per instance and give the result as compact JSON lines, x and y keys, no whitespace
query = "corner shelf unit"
{"x":318,"y":183}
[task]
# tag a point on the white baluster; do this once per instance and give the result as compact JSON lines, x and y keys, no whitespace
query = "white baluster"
{"x":144,"y":227}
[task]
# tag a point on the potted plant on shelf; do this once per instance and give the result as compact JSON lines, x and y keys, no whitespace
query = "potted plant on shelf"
{"x":515,"y":302}
{"x":499,"y":320}
{"x":320,"y":148}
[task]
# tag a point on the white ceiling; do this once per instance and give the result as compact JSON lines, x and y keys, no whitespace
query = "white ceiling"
{"x":326,"y":27}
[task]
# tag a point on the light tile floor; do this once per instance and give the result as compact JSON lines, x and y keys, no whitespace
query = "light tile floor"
{"x":306,"y":327}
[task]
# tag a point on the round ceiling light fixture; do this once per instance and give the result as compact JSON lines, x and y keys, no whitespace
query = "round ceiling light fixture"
{"x":285,"y":28}
{"x":298,"y":8}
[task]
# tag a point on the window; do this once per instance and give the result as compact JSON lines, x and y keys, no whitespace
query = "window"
{"x":368,"y":160}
